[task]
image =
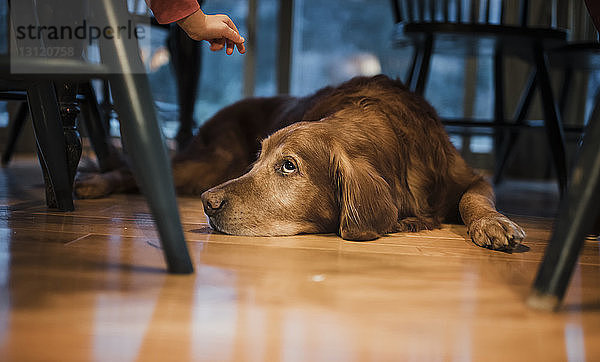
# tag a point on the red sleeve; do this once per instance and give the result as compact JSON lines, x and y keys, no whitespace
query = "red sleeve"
{"x":168,"y":11}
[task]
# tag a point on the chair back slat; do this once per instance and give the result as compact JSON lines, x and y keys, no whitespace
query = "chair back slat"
{"x":434,"y":10}
{"x":397,"y":11}
{"x":420,"y":10}
{"x":474,"y":12}
{"x":446,"y":8}
{"x":524,"y":13}
{"x":409,"y":10}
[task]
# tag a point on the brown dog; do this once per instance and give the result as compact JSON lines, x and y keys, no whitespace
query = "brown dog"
{"x":362,"y":159}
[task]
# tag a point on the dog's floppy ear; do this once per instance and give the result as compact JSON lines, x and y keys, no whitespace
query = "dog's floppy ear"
{"x":367,"y":210}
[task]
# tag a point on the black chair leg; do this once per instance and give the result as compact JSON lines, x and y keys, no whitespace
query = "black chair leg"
{"x":15,"y":130}
{"x":513,"y":136}
{"x":413,"y":65}
{"x":106,"y":106}
{"x":141,"y":134}
{"x":578,"y":212}
{"x":552,"y":123}
{"x":95,"y":124}
{"x":186,"y":58}
{"x":499,"y":119}
{"x":142,"y":138}
{"x":49,"y":135}
{"x":564,"y":90}
{"x":424,"y":65}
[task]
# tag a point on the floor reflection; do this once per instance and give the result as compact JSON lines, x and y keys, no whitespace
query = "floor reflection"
{"x":573,"y":330}
{"x":122,"y":320}
{"x":5,"y":305}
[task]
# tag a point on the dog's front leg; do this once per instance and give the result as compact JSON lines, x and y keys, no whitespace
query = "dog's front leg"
{"x":486,"y":226}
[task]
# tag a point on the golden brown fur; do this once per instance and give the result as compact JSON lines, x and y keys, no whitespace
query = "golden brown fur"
{"x":362,"y":159}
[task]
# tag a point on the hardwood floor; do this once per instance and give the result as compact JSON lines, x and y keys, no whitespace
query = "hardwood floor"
{"x":90,"y":285}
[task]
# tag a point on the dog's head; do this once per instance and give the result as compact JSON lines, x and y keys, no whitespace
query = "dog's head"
{"x":306,"y":180}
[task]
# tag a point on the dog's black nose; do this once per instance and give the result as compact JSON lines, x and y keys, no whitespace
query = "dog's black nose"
{"x":213,"y":201}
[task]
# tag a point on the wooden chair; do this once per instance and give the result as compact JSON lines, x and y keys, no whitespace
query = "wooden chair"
{"x":186,"y":56}
{"x":51,"y":92}
{"x":478,"y":27}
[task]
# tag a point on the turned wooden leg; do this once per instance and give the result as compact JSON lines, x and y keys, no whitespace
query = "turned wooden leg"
{"x":66,"y":94}
{"x":50,"y":141}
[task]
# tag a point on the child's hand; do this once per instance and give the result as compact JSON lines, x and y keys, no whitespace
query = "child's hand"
{"x":218,"y":30}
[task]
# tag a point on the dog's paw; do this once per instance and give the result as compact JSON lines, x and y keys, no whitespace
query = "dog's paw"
{"x":496,"y":232}
{"x":92,"y":186}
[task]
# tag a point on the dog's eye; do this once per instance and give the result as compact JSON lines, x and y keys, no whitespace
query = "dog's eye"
{"x":288,"y":167}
